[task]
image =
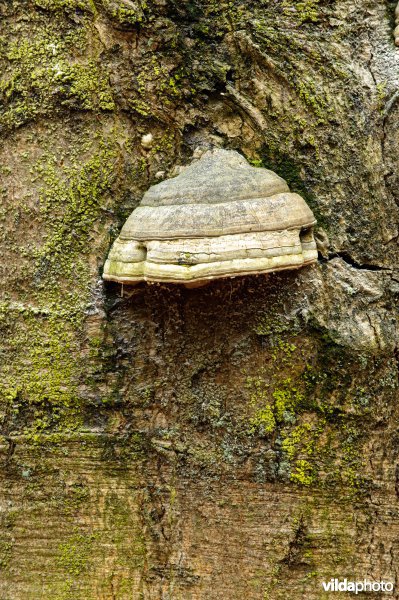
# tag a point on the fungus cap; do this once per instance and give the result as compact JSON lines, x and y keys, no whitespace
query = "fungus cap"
{"x":220,"y":217}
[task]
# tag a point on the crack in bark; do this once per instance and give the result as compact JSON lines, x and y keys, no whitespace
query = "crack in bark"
{"x":396,"y":357}
{"x":397,"y":481}
{"x":353,"y":263}
{"x":296,"y":545}
{"x":385,"y":114}
{"x":11,"y":449}
{"x":389,"y":105}
{"x":377,"y":337}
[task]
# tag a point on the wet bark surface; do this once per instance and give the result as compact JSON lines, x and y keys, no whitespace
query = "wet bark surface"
{"x":233,"y":441}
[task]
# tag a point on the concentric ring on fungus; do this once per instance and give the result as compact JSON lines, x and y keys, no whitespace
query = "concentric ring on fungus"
{"x":220,"y":217}
{"x":396,"y":30}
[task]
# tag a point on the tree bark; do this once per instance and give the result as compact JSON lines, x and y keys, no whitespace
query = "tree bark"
{"x":233,"y":441}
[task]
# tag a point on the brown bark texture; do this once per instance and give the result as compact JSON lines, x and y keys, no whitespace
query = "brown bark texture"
{"x":237,"y":441}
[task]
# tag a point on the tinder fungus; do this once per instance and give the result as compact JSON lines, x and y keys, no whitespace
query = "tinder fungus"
{"x":220,"y":217}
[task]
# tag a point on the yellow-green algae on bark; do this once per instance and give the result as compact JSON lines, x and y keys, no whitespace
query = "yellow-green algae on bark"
{"x":146,"y":431}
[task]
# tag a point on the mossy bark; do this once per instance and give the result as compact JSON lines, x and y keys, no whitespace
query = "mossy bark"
{"x":234,"y":441}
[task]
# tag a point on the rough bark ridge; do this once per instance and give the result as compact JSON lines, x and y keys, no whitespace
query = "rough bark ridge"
{"x":237,"y":441}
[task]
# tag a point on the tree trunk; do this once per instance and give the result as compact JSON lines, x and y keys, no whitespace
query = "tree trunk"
{"x":234,"y":441}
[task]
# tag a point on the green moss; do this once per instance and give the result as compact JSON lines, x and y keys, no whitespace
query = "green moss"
{"x":88,"y":86}
{"x":126,"y":15}
{"x":47,"y":70}
{"x":381,"y":92}
{"x":286,"y":399}
{"x":264,"y":420}
{"x":47,"y":373}
{"x":5,"y":554}
{"x":77,"y":496}
{"x":302,"y":473}
{"x":68,"y":5}
{"x":158,"y":88}
{"x":71,"y":204}
{"x":313,"y":99}
{"x":279,"y":401}
{"x":274,"y":407}
{"x":73,"y":555}
{"x":73,"y":558}
{"x":292,"y":441}
{"x":273,"y":325}
{"x":46,"y":378}
{"x":306,"y":10}
{"x":285,"y":166}
{"x":255,"y":162}
{"x":307,"y":412}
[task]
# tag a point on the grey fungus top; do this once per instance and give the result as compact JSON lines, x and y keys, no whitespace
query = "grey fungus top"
{"x":220,"y":217}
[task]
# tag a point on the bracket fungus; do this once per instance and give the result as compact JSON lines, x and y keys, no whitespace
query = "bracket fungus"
{"x":220,"y":217}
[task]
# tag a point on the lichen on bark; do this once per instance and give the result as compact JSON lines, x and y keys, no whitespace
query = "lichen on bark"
{"x":233,"y":441}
